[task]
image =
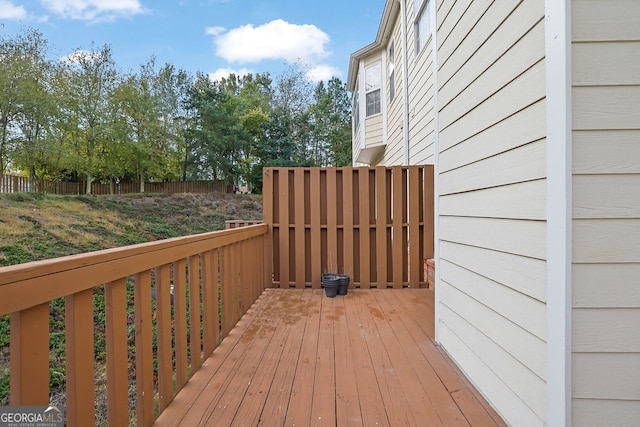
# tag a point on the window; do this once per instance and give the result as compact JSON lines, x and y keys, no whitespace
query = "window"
{"x":356,"y":108}
{"x":392,"y":74}
{"x":372,"y":81}
{"x":422,"y":23}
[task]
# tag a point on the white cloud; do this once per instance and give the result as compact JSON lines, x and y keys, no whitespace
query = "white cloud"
{"x":277,"y":39}
{"x":214,"y":31}
{"x":322,"y":73}
{"x":79,"y":55}
{"x":221,"y":73}
{"x":8,"y":10}
{"x":94,"y":10}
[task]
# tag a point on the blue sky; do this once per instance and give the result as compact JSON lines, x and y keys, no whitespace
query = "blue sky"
{"x":212,"y":36}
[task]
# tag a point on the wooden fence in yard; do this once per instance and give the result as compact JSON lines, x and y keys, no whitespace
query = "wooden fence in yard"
{"x":20,"y":184}
{"x":375,"y":224}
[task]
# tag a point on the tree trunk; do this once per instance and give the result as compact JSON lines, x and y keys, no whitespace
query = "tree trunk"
{"x":32,"y":179}
{"x":89,"y":179}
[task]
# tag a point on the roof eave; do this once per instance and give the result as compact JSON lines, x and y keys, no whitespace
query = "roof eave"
{"x":389,"y":13}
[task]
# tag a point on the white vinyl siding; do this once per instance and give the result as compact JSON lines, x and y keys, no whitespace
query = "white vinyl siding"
{"x":419,"y":102}
{"x":394,"y":151}
{"x":493,"y":187}
{"x":606,"y":213}
{"x":421,"y":99}
{"x":373,"y":130}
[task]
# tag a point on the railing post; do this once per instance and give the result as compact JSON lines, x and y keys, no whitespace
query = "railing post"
{"x":29,"y":362}
{"x":80,"y":358}
{"x":144,"y":349}
{"x":115,"y":297}
{"x":163,"y":333}
{"x":180,"y":321}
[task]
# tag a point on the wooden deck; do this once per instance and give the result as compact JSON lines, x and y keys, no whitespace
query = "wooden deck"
{"x":297,"y":358}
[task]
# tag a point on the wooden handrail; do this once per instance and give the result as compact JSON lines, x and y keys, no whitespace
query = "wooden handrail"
{"x":229,"y":263}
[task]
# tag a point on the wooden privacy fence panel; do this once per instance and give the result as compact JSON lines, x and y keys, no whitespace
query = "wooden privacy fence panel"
{"x":374,"y":224}
{"x":14,"y":184}
{"x":20,"y":184}
{"x":201,"y":269}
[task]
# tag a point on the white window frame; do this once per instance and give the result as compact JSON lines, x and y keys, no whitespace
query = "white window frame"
{"x":422,"y":21}
{"x":370,"y":89}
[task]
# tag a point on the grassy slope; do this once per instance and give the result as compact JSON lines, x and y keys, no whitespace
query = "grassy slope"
{"x":35,"y":226}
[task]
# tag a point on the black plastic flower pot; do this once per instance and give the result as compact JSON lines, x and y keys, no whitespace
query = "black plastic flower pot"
{"x":343,"y":287}
{"x":331,"y":284}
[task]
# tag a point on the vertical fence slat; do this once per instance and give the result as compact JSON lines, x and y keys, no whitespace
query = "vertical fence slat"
{"x":163,"y":332}
{"x":245,"y":292}
{"x":208,"y":309}
{"x":144,"y":349}
{"x":332,"y":221}
{"x":180,"y":322}
{"x":414,"y":227}
{"x":314,"y":201}
{"x":267,"y":213}
{"x":381,"y":226}
{"x":115,"y":296}
{"x":80,"y":358}
{"x":428,"y":203}
{"x":364,"y":224}
{"x":215,"y":271}
{"x":29,"y":359}
{"x":194,"y":312}
{"x":397,"y":208}
{"x":347,"y":191}
{"x":283,"y":209}
{"x":299,"y":227}
{"x":225,"y":291}
{"x":236,"y":299}
{"x":237,"y":295}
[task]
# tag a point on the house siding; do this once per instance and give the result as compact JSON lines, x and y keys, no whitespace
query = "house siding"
{"x":606,"y":212}
{"x":492,"y":186}
{"x":394,"y":151}
{"x":420,"y":93}
{"x":420,"y":100}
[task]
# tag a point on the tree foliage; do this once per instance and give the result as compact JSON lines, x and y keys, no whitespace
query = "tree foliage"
{"x":83,"y":119}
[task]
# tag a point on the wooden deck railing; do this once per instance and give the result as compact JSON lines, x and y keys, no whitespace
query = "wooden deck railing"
{"x":215,"y":278}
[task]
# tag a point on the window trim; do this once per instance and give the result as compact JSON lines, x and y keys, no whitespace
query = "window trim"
{"x":378,"y":88}
{"x":417,"y":16}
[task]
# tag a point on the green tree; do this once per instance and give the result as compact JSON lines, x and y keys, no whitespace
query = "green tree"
{"x":37,"y":109}
{"x":220,"y":137}
{"x":13,"y":71}
{"x":92,"y":79}
{"x":330,"y":115}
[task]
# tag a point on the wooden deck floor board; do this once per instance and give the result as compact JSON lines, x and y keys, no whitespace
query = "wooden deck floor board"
{"x":347,"y":398}
{"x":372,"y":407}
{"x":275,"y":407}
{"x":299,"y":406}
{"x":299,"y":358}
